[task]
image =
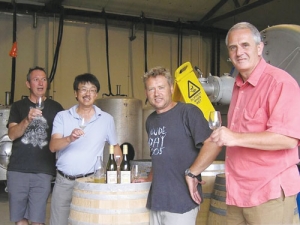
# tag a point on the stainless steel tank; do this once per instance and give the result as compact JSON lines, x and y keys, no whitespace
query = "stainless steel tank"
{"x":147,"y":110}
{"x":127,"y":114}
{"x":5,"y":145}
{"x":5,"y":142}
{"x":4,"y":114}
{"x":5,"y":152}
{"x":282,"y":47}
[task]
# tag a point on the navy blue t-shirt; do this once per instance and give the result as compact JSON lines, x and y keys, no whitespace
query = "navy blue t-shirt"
{"x":174,"y":138}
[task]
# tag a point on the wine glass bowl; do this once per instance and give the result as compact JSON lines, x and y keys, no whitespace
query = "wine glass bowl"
{"x":214,"y":120}
{"x":82,"y":123}
{"x":135,"y":173}
{"x":40,"y":103}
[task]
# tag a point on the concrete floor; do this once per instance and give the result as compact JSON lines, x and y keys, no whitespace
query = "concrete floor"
{"x":4,"y":208}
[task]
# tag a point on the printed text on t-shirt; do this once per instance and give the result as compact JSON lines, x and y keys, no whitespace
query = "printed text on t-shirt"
{"x":156,"y":140}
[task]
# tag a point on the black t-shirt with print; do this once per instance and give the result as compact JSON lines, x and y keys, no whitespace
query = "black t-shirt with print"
{"x":30,"y":152}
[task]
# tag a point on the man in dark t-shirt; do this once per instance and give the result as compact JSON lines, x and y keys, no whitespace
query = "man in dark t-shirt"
{"x":176,"y":133}
{"x":32,"y":164}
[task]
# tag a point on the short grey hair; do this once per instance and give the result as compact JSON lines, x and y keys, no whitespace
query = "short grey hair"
{"x":245,"y":25}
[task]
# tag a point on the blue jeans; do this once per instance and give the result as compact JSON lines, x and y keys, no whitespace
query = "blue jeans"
{"x":298,"y":203}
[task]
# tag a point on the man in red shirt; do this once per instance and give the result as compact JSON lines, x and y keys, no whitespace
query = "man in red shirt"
{"x":262,"y":136}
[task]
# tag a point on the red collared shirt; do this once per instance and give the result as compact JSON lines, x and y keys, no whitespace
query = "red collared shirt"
{"x":268,"y":101}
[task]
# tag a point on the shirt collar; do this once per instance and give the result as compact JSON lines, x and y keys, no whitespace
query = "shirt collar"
{"x":255,"y":75}
{"x":73,"y":112}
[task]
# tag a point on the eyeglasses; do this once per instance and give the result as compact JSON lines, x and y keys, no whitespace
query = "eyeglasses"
{"x":85,"y":90}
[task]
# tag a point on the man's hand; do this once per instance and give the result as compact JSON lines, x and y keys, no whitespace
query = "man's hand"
{"x":33,"y":113}
{"x":76,"y":133}
{"x":223,"y":137}
{"x":192,"y":185}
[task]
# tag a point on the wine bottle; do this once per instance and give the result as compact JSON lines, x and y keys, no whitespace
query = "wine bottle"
{"x":111,"y":167}
{"x":125,"y":167}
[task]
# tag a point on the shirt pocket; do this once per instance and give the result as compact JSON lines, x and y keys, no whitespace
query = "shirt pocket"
{"x":254,"y":120}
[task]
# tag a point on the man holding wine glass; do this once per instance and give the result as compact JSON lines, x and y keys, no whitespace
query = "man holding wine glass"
{"x":262,"y":137}
{"x":78,"y":137}
{"x":31,"y":166}
{"x":176,"y":133}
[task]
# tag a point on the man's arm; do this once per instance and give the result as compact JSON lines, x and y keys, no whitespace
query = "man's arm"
{"x":118,"y":152}
{"x":58,"y":142}
{"x":205,"y":158}
{"x":260,"y":140}
{"x":16,"y":130}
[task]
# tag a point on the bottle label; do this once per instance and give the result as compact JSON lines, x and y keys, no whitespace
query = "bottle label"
{"x":125,"y":177}
{"x":111,"y":177}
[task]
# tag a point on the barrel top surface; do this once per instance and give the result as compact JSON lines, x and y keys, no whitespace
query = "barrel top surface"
{"x":215,"y":168}
{"x":221,"y":175}
{"x":141,"y":161}
{"x":87,"y":183}
{"x":216,"y":165}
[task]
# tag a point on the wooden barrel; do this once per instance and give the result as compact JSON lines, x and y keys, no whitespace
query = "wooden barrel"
{"x":296,"y":219}
{"x":217,"y":208}
{"x":103,"y":204}
{"x":209,"y":176}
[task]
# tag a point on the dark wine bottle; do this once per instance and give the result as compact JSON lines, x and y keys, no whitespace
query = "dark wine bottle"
{"x":125,"y":167}
{"x":111,"y":167}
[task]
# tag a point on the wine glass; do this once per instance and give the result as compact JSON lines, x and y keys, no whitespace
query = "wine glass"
{"x":40,"y":103}
{"x":214,"y":120}
{"x":135,"y":174}
{"x":99,"y":171}
{"x":82,"y":123}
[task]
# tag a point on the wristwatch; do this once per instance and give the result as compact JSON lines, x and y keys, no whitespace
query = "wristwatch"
{"x":188,"y":173}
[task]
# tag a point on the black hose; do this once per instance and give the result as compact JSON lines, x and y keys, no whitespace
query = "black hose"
{"x":218,"y":55}
{"x":59,"y":39}
{"x":107,"y":56}
{"x":181,"y":38}
{"x":178,"y":49}
{"x":179,"y":45}
{"x":13,"y":63}
{"x":107,"y":59}
{"x":145,"y":43}
{"x":213,"y":53}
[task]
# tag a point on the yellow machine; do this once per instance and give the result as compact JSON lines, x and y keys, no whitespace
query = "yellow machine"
{"x":187,"y":88}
